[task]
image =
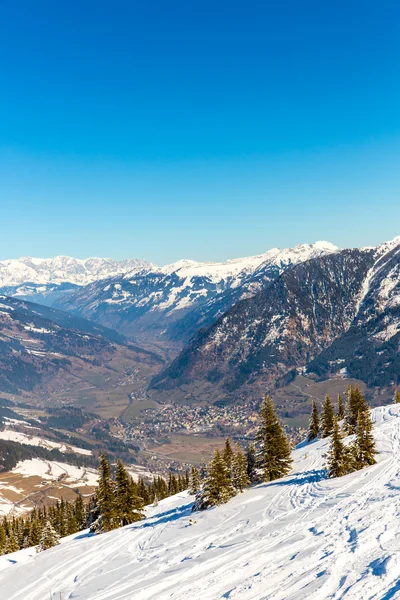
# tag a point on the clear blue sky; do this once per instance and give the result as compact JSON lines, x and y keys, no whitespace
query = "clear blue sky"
{"x":202,"y":129}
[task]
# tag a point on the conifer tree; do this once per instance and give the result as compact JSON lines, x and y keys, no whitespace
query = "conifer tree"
{"x":313,"y":430}
{"x":341,"y":409}
{"x":80,"y":513}
{"x":49,"y":537}
{"x":127,"y":504}
{"x":396,"y":397}
{"x":338,"y":456}
{"x":105,"y":498}
{"x":365,"y":449}
{"x":194,"y":485}
{"x":218,"y":487}
{"x":276,"y":460}
{"x":355,"y":403}
{"x":251,"y":460}
{"x":228,"y":454}
{"x":239,"y":476}
{"x":3,"y":539}
{"x":35,"y":532}
{"x":327,"y":418}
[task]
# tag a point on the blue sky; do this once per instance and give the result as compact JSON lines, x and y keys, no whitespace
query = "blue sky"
{"x":197,"y":129}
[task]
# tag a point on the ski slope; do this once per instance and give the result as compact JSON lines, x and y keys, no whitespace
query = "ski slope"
{"x":302,"y":537}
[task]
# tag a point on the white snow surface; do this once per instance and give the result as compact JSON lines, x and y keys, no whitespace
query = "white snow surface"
{"x":231,"y":268}
{"x":33,"y":440}
{"x":303,"y":537}
{"x":64,"y":269}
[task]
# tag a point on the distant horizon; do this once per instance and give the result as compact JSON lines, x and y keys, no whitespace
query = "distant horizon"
{"x":186,"y":258}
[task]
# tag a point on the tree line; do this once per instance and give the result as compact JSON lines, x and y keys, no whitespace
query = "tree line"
{"x":118,"y":501}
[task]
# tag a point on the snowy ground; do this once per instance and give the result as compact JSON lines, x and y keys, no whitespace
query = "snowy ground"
{"x":34,"y":440}
{"x":303,"y":537}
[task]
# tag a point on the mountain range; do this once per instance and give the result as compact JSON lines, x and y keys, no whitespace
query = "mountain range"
{"x":234,"y":329}
{"x":335,"y":314}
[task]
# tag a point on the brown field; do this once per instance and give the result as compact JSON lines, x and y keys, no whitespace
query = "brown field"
{"x":188,"y":448}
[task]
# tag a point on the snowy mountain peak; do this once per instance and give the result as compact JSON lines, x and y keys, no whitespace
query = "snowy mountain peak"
{"x":62,"y":269}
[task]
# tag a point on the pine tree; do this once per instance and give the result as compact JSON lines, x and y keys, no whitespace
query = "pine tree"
{"x":327,"y":418}
{"x":105,"y":499}
{"x":251,"y":460}
{"x":396,"y":397}
{"x":218,"y":487}
{"x":127,"y":504}
{"x":338,"y":457}
{"x":194,"y":485}
{"x":80,"y":513}
{"x":313,"y":430}
{"x":240,"y":479}
{"x":35,"y":532}
{"x":365,"y":449}
{"x":228,"y":454}
{"x":276,"y":460}
{"x":355,"y":403}
{"x":341,"y":409}
{"x":49,"y":537}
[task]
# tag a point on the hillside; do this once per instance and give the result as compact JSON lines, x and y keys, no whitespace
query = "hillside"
{"x":300,"y":537}
{"x":44,"y":351}
{"x":170,"y":303}
{"x":337,"y":313}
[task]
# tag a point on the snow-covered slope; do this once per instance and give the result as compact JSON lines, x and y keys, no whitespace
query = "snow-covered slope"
{"x":300,"y":538}
{"x":61,"y":269}
{"x":151,"y":303}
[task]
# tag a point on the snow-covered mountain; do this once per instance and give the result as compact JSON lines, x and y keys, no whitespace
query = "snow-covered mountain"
{"x":337,"y":312}
{"x":153,"y":303}
{"x":62,"y":269}
{"x":301,"y":537}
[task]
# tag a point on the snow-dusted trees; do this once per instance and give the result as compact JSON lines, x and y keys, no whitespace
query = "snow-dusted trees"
{"x":49,"y":537}
{"x":313,"y":430}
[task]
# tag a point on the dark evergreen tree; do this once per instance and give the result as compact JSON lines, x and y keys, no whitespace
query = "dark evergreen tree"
{"x":228,"y":454}
{"x":251,"y":460}
{"x":239,"y":476}
{"x":327,"y":418}
{"x":108,"y":518}
{"x":194,"y":485}
{"x":365,"y":449}
{"x":276,"y":458}
{"x":218,"y":487}
{"x":313,"y":430}
{"x":127,"y":505}
{"x":355,"y":403}
{"x":338,"y":457}
{"x":341,"y":409}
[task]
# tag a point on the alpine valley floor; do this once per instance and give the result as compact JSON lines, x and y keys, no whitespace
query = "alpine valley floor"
{"x":302,"y":537}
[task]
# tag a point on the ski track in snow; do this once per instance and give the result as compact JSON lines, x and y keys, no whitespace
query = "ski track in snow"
{"x":301,"y":537}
